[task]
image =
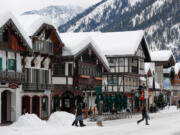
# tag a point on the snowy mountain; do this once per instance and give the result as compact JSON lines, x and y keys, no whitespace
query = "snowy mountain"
{"x":159,"y":18}
{"x":58,"y":14}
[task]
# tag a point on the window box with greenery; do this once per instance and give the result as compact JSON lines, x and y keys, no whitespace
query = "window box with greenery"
{"x":12,"y":64}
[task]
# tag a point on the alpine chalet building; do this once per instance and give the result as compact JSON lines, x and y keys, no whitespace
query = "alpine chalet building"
{"x":14,"y":44}
{"x":126,"y":53}
{"x":77,"y":72}
{"x":38,"y":86}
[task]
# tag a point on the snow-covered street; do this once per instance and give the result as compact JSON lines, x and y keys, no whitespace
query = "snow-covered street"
{"x":162,"y":123}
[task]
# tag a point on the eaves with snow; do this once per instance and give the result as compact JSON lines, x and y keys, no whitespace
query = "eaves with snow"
{"x":77,"y":43}
{"x":6,"y":16}
{"x":33,"y":23}
{"x":115,"y":43}
{"x":163,"y":57}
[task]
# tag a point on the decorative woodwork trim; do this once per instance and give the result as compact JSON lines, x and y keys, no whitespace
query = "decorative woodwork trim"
{"x":99,"y":78}
{"x":85,"y":76}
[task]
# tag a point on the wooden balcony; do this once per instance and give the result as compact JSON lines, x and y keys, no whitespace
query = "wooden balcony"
{"x":11,"y":77}
{"x":37,"y":86}
{"x":43,"y":47}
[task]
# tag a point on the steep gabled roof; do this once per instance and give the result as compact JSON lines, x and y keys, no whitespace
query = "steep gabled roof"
{"x":31,"y":23}
{"x":117,"y":43}
{"x":34,"y":23}
{"x":5,"y":17}
{"x":74,"y":46}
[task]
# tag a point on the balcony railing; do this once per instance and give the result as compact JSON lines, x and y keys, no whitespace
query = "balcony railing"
{"x":37,"y":86}
{"x":11,"y":77}
{"x":43,"y":47}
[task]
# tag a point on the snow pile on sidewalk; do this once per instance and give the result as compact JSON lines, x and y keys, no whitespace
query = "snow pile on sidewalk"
{"x":29,"y":121}
{"x":169,"y":109}
{"x":61,"y":119}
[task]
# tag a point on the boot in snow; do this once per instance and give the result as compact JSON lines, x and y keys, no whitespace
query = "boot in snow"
{"x":82,"y":124}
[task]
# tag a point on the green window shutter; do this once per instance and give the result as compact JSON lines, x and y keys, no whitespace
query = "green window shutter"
{"x":9,"y":64}
{"x":0,"y":64}
{"x":15,"y":65}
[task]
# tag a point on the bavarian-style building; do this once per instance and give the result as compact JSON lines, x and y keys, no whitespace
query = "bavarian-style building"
{"x":77,"y":72}
{"x":126,"y":53}
{"x":14,"y":44}
{"x":38,"y":86}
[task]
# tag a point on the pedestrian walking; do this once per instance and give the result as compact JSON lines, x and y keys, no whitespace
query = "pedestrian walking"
{"x":100,"y":114}
{"x":79,"y":115}
{"x":75,"y":122}
{"x":144,"y":115}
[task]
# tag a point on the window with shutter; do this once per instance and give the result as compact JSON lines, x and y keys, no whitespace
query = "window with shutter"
{"x":11,"y":64}
{"x":0,"y":64}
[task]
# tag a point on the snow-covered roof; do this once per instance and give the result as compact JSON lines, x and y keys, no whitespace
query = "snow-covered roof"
{"x":163,"y":55}
{"x":149,"y":66}
{"x":31,"y":23}
{"x":113,"y":43}
{"x":177,"y":68}
{"x":75,"y":44}
{"x":5,"y":16}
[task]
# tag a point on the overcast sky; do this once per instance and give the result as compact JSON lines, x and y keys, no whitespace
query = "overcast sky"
{"x":19,"y":6}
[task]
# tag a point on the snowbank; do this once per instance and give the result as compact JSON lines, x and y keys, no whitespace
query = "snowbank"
{"x":29,"y":120}
{"x":61,"y":119}
{"x":169,"y":109}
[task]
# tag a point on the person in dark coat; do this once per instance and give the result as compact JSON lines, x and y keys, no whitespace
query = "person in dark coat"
{"x":144,"y":115}
{"x":79,"y":115}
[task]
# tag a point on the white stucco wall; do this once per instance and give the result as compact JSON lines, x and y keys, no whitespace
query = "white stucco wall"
{"x":59,"y":80}
{"x":37,"y":63}
{"x":14,"y":111}
{"x":18,"y":62}
{"x":3,"y":56}
{"x":70,"y":80}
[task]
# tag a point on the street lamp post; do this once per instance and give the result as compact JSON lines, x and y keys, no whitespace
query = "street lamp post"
{"x":146,"y":94}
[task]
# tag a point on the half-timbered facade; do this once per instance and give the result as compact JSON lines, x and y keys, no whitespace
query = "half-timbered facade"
{"x":80,"y":72}
{"x":14,"y":44}
{"x":38,"y":86}
{"x":125,"y":57}
{"x":175,"y":81}
{"x":163,"y":60}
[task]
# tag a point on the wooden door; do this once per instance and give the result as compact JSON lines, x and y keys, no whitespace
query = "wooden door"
{"x":4,"y":107}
